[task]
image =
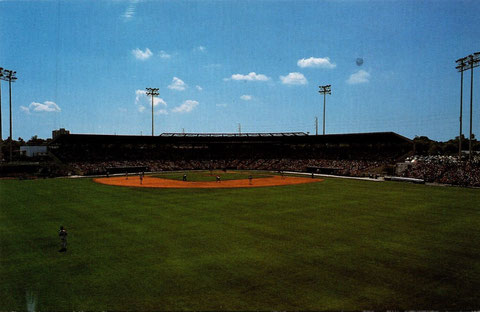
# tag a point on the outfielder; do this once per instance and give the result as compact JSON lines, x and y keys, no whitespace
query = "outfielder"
{"x":63,"y":238}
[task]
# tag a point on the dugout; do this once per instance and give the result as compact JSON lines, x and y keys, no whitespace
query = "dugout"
{"x":324,"y":170}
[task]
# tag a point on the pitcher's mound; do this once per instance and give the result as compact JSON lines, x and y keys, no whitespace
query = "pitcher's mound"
{"x":168,"y":183}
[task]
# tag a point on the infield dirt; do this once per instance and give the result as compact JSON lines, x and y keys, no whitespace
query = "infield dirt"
{"x":153,"y":182}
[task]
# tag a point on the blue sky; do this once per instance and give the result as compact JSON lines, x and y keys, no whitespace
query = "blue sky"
{"x":84,"y":66}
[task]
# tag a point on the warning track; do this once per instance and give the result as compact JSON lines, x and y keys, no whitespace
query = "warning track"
{"x":153,"y":182}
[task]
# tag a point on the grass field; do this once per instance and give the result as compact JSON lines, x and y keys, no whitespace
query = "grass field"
{"x":210,"y":176}
{"x":338,"y":244}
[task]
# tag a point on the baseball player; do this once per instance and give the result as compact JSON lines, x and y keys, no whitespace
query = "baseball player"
{"x":63,"y":238}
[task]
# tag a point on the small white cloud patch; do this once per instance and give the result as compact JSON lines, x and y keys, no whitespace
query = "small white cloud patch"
{"x":360,"y":76}
{"x":199,"y":88}
{"x":320,"y":62}
{"x":161,"y":112}
{"x":47,"y":106}
{"x":294,"y":79}
{"x":246,"y":97}
{"x":142,"y":55}
{"x":252,"y":76}
{"x":200,"y":49}
{"x":130,"y":11}
{"x":177,"y":84}
{"x":186,"y":107}
{"x":143,"y":101}
{"x":164,"y":55}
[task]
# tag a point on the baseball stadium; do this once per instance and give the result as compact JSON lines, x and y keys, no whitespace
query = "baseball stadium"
{"x":373,"y":206}
{"x":258,"y":221}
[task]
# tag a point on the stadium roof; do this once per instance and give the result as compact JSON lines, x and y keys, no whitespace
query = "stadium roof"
{"x":210,"y":138}
{"x":272,"y":134}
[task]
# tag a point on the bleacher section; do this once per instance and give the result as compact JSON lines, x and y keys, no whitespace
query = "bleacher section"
{"x":351,"y":154}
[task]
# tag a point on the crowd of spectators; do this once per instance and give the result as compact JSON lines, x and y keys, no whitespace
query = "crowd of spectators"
{"x":438,"y":169}
{"x":443,"y":169}
{"x":358,"y":168}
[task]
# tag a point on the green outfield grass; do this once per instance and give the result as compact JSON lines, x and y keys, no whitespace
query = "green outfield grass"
{"x":210,"y":176}
{"x":338,"y":244}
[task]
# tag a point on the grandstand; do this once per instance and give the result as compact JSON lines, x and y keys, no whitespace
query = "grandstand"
{"x":350,"y":154}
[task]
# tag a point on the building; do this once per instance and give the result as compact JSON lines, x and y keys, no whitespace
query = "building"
{"x":56,"y":133}
{"x":33,"y":151}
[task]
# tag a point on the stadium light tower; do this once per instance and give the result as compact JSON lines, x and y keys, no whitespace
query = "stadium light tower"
{"x":468,"y":62}
{"x":153,"y":92}
{"x":324,"y":90}
{"x":9,"y":75}
{"x":473,"y":60}
{"x":461,"y":64}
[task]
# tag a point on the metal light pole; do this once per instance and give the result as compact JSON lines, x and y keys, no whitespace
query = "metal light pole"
{"x":461,"y":67}
{"x":468,"y":62}
{"x":153,"y":92}
{"x":9,"y":75}
{"x":472,"y":62}
{"x":1,"y":134}
{"x":324,"y":90}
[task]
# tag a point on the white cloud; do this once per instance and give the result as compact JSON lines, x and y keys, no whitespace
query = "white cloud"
{"x":322,"y":62}
{"x":140,"y":98}
{"x":47,"y":106}
{"x":164,"y":55}
{"x":360,"y":76}
{"x":143,"y":101}
{"x":199,"y":88}
{"x":177,"y":84}
{"x":246,"y":97}
{"x":130,"y":11}
{"x":141,"y":55}
{"x":158,"y":101}
{"x":25,"y":109}
{"x":161,"y":112}
{"x":186,"y":107}
{"x":250,"y":77}
{"x":200,"y":49}
{"x":294,"y":79}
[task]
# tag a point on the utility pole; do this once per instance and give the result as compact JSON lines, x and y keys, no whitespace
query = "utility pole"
{"x":316,"y":125}
{"x":239,"y":129}
{"x":9,"y":75}
{"x":324,"y":90}
{"x":461,"y":67}
{"x":153,"y":92}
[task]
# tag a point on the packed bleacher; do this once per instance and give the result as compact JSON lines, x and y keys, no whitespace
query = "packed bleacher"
{"x":348,"y":154}
{"x":443,"y":169}
{"x":357,"y":168}
{"x":357,"y":155}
